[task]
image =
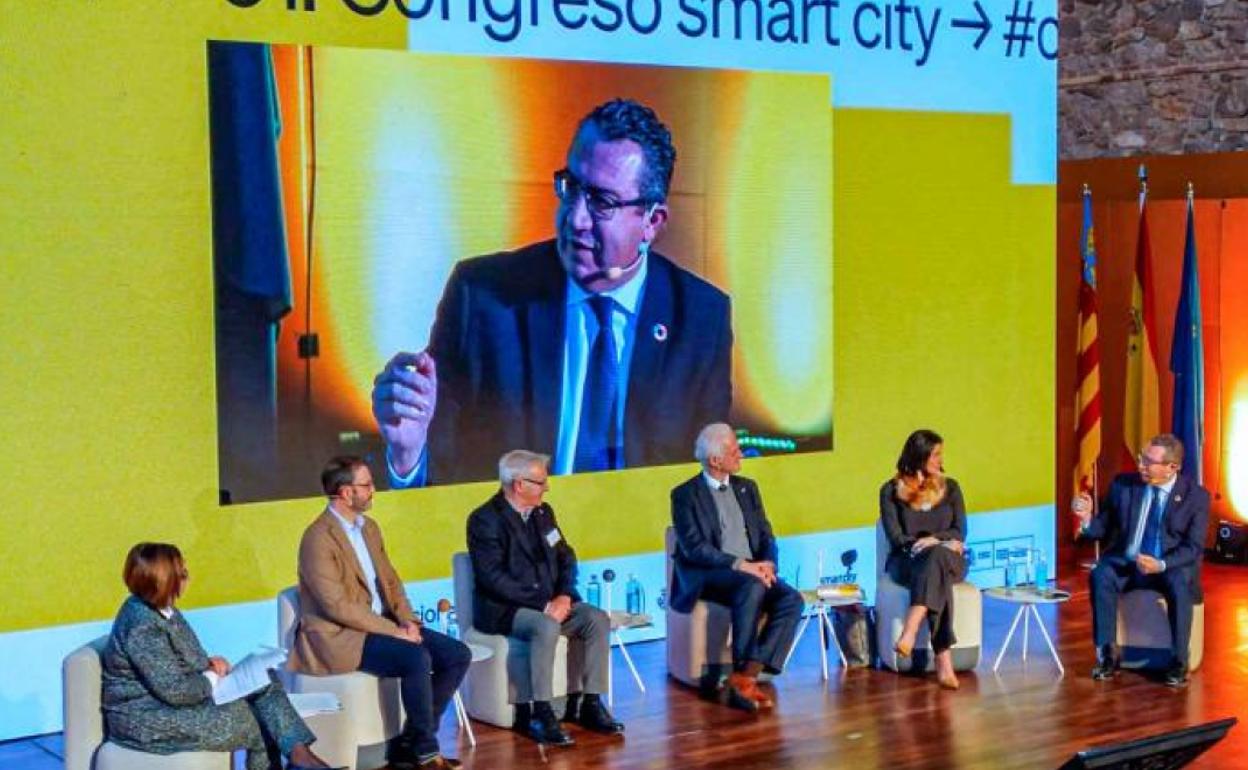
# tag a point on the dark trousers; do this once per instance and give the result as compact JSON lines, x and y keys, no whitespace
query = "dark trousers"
{"x":1114,"y":574}
{"x":749,"y":599}
{"x":930,"y":575}
{"x":430,"y":671}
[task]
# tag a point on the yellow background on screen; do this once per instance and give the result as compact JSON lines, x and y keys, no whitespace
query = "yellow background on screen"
{"x":943,"y":317}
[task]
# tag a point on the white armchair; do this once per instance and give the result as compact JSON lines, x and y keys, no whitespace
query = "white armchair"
{"x":85,"y":745}
{"x":372,"y":711}
{"x":892,"y":601}
{"x":699,"y":639}
{"x":489,"y":695}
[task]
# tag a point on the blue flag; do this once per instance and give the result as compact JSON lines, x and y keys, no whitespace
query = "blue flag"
{"x":1187,"y":360}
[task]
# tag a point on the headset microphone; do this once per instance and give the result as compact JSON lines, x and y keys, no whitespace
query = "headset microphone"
{"x":615,"y":272}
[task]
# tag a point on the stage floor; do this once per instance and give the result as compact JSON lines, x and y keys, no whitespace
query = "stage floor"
{"x":1025,"y":716}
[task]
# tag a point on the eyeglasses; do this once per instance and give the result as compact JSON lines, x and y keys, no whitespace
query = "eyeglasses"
{"x":1145,"y":461}
{"x":600,"y":203}
{"x":543,"y":483}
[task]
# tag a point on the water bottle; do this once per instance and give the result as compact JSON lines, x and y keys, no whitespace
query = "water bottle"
{"x":635,"y":596}
{"x":594,"y":594}
{"x":1041,"y":567}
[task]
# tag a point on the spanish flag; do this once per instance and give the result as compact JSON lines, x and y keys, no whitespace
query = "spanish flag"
{"x":1142,"y":408}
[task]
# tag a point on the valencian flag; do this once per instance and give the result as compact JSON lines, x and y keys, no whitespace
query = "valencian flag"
{"x":1187,"y":359}
{"x":1142,"y":407}
{"x":1088,"y":368}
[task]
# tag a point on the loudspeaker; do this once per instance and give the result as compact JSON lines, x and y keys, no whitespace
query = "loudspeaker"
{"x":1158,"y":752}
{"x":1231,"y":544}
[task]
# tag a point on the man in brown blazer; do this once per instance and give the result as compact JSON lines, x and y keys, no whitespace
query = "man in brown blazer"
{"x":354,"y":616}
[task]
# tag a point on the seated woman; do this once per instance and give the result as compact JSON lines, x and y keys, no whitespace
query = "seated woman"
{"x":157,"y":694}
{"x":925,"y":520}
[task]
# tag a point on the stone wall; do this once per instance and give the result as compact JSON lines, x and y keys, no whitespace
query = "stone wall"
{"x":1154,"y":77}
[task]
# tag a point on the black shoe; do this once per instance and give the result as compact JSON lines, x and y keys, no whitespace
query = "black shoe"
{"x":1107,"y":665}
{"x":733,"y":698}
{"x":572,"y":709}
{"x":594,"y":716}
{"x":1176,"y":676}
{"x":520,"y":722}
{"x":711,"y":688}
{"x":543,"y":727}
{"x":401,"y":753}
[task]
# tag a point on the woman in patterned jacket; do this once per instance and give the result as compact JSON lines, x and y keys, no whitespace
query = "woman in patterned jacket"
{"x":158,"y":680}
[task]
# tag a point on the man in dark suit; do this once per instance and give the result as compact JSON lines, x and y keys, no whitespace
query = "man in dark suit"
{"x":524,"y":575}
{"x":1153,"y":524}
{"x":591,"y":347}
{"x":726,"y":553}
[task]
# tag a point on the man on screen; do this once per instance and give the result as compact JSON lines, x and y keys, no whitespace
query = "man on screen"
{"x":524,"y":586}
{"x":1153,"y":524}
{"x":591,"y":347}
{"x":726,"y":553}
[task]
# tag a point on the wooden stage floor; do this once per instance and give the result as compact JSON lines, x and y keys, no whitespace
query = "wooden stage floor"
{"x":1026,"y":716}
{"x":1023,"y":717}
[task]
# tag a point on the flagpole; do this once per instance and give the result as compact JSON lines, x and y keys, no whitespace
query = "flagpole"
{"x":1087,"y":284}
{"x":1187,"y":355}
{"x":1200,"y":416}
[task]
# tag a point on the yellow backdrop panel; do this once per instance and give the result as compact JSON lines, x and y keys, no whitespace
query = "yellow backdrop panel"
{"x":943,"y":317}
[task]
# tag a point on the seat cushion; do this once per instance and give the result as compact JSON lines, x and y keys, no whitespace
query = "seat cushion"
{"x":1144,"y":631}
{"x":114,"y":757}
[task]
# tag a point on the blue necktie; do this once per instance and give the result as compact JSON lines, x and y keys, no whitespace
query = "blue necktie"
{"x":1151,"y":542}
{"x":597,"y":440}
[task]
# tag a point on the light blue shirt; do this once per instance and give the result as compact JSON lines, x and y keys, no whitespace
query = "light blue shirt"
{"x":712,"y":483}
{"x":581,"y":326}
{"x":414,"y":478}
{"x":1133,"y":549}
{"x":355,"y":536}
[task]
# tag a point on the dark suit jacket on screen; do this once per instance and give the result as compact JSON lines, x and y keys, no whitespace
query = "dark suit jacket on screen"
{"x":510,"y":570}
{"x":698,"y":540}
{"x":498,"y":343}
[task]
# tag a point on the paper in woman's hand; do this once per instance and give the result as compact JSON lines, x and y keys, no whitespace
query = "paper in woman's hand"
{"x":248,"y":675}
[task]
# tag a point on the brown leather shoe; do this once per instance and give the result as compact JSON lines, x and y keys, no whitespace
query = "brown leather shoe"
{"x":748,"y":687}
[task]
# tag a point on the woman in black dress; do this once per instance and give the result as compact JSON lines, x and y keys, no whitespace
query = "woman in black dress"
{"x":925,"y":520}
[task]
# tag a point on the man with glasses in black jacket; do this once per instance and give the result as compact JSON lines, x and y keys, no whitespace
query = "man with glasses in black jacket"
{"x":524,"y":586}
{"x":591,"y":347}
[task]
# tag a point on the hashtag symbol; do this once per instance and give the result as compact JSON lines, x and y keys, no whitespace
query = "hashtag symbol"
{"x":1012,"y":35}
